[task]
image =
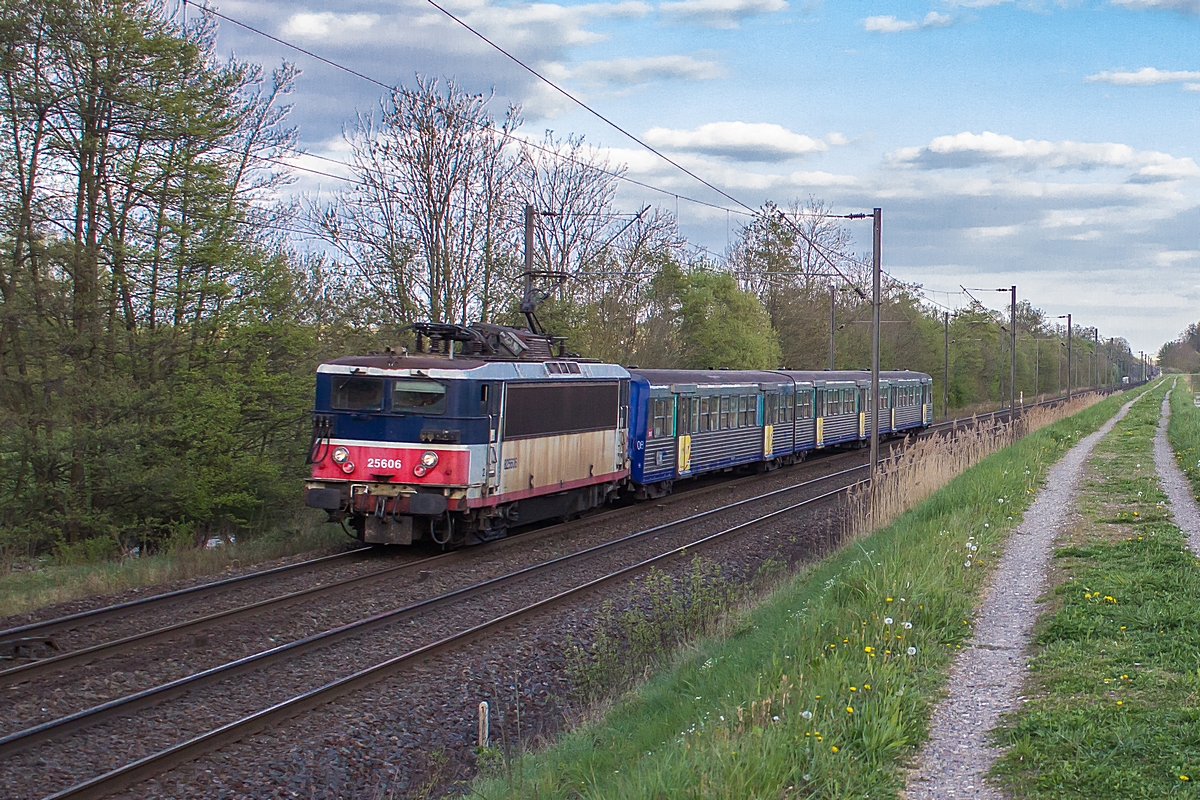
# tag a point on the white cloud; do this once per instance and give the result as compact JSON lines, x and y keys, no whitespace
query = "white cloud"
{"x":1185,"y":6}
{"x":889,"y":23}
{"x":965,"y":150}
{"x":637,"y":71}
{"x":746,"y":141}
{"x":993,"y":231}
{"x":534,"y":26}
{"x":1146,"y":76}
{"x":328,"y":25}
{"x":1169,"y":258}
{"x":719,"y":13}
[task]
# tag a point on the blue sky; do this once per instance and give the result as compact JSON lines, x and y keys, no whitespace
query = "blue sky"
{"x":1047,"y":144}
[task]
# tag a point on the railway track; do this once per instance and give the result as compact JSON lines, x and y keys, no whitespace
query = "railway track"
{"x":559,"y":573}
{"x":111,"y":647}
{"x":158,"y":761}
{"x":47,"y":628}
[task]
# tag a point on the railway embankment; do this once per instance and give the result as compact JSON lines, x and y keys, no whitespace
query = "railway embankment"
{"x":825,"y":689}
{"x":1111,"y":709}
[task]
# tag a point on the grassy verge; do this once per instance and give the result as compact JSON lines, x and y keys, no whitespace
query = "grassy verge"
{"x":824,"y":689}
{"x":1184,"y":430}
{"x":1112,"y":709}
{"x":28,"y":585}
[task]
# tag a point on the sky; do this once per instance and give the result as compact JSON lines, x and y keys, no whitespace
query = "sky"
{"x":1051,"y":145}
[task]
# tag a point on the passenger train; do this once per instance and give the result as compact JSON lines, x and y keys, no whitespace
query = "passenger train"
{"x":488,"y":430}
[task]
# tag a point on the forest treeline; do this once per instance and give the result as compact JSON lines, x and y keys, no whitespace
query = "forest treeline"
{"x":165,"y":298}
{"x":1182,"y":354}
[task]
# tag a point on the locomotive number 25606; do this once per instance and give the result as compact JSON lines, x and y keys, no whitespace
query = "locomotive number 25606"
{"x":383,"y":463}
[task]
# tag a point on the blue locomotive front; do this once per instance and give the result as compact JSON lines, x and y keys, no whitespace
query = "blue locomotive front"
{"x":460,"y":446}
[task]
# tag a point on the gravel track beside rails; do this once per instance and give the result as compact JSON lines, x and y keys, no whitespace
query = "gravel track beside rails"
{"x":1180,"y":493}
{"x":415,"y":733}
{"x":988,"y":673}
{"x":78,"y":687}
{"x":197,"y":713}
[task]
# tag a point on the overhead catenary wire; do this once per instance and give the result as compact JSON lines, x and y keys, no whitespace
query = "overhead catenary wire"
{"x":506,"y":134}
{"x":748,"y":209}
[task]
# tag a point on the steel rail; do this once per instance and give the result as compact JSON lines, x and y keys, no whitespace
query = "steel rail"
{"x":123,"y":706}
{"x":155,"y":764}
{"x":98,"y":614}
{"x":35,"y":668}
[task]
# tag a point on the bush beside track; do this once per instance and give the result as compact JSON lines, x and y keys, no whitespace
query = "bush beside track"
{"x":823,"y":690}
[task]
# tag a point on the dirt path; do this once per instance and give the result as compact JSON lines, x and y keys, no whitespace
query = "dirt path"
{"x":1179,"y":490}
{"x":990,"y":670}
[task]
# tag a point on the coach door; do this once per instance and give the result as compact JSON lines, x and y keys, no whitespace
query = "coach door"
{"x":770,"y":419}
{"x":687,"y":422}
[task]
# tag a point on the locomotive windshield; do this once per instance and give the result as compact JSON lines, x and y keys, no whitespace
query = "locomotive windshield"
{"x":418,"y":397}
{"x":357,"y":394}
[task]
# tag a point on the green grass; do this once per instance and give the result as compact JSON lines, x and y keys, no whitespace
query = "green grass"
{"x":1113,"y":710}
{"x":28,"y":585}
{"x":1184,"y":430}
{"x":814,"y":693}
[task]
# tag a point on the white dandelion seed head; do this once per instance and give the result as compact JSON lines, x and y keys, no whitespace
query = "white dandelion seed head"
{"x":1000,"y":500}
{"x":987,"y":525}
{"x":806,"y":714}
{"x":887,"y":620}
{"x":912,"y":651}
{"x":906,"y":625}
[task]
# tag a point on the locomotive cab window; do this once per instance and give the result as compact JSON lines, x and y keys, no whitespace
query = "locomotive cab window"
{"x":418,"y":397}
{"x":357,"y":394}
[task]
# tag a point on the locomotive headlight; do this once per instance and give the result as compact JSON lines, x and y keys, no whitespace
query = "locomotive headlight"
{"x":429,"y":459}
{"x":419,"y":471}
{"x":340,"y":454}
{"x":348,"y":467}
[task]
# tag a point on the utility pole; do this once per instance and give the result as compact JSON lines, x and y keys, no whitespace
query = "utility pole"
{"x":527,"y":297}
{"x":1012,"y":358}
{"x":1068,"y":318}
{"x":876,"y":260}
{"x":1068,"y":358}
{"x":831,"y":322}
{"x":946,"y":366}
{"x":1037,"y":366}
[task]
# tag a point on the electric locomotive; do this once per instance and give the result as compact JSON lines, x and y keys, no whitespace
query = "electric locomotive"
{"x":458,"y":447}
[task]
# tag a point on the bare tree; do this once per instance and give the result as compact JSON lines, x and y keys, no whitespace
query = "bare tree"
{"x":428,"y":218}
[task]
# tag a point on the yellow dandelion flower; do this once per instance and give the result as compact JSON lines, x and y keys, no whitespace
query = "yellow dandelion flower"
{"x":833,"y":748}
{"x":1184,"y":778}
{"x":849,"y":710}
{"x":866,"y":686}
{"x":853,"y":689}
{"x":1120,"y":703}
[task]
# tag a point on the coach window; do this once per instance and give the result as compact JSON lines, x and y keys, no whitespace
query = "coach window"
{"x":660,"y":426}
{"x":683,"y":416}
{"x":725,"y":412}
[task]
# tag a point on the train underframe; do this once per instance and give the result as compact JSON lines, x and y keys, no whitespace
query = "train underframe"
{"x":383,"y":515}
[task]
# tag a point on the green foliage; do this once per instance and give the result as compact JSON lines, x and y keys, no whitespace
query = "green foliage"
{"x":1113,"y":710}
{"x":816,"y":694}
{"x":1184,"y":430}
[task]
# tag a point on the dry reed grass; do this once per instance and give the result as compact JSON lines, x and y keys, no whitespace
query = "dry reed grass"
{"x":914,"y":472}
